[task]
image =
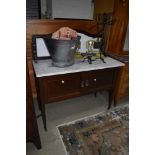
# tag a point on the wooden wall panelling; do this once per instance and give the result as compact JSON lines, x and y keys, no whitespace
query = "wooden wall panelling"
{"x":116,"y":44}
{"x":122,"y":89}
{"x":119,"y":27}
{"x":49,"y":26}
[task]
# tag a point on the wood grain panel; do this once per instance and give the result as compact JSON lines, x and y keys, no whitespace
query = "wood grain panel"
{"x":116,"y":44}
{"x":32,"y":134}
{"x":119,"y":27}
{"x":123,"y":83}
{"x":61,"y":85}
{"x":32,"y":79}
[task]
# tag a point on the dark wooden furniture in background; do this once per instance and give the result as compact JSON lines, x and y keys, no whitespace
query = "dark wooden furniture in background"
{"x":32,"y":134}
{"x":116,"y":44}
{"x":123,"y":83}
{"x":119,"y":27}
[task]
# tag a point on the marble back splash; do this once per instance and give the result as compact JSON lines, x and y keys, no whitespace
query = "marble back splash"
{"x":43,"y":51}
{"x":44,"y":67}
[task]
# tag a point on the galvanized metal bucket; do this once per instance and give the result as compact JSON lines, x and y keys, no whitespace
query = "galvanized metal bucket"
{"x":62,"y":51}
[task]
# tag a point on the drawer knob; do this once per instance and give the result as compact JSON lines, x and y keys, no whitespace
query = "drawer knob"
{"x":62,"y":81}
{"x":94,"y":80}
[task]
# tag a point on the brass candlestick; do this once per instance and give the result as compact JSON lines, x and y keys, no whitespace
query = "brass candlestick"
{"x":89,"y":45}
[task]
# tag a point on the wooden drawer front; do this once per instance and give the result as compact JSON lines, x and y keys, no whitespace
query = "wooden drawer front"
{"x":85,"y":81}
{"x":97,"y":79}
{"x":61,"y":86}
{"x":102,"y":78}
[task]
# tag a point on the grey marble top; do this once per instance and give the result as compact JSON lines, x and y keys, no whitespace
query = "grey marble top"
{"x":44,"y":67}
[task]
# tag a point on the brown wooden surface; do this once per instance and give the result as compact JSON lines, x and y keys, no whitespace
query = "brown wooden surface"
{"x":59,"y":87}
{"x":119,"y":27}
{"x":97,"y":80}
{"x":32,"y":134}
{"x":123,"y":83}
{"x":39,"y":27}
{"x":116,"y":44}
{"x":32,"y":79}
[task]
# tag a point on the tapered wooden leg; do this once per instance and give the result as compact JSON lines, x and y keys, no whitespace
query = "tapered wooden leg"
{"x":115,"y":102}
{"x":41,"y":105}
{"x":110,"y":98}
{"x":37,"y":142}
{"x":95,"y":94}
{"x":112,"y":91}
{"x":43,"y":114}
{"x":44,"y":121}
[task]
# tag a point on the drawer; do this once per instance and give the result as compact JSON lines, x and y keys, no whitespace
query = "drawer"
{"x":97,"y":79}
{"x":102,"y":78}
{"x":86,"y":79}
{"x":61,"y":85}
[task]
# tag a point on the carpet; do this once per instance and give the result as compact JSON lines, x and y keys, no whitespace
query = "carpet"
{"x":100,"y":134}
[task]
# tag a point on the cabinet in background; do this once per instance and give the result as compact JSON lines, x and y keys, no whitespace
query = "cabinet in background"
{"x":123,"y":83}
{"x":119,"y":28}
{"x":118,"y":44}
